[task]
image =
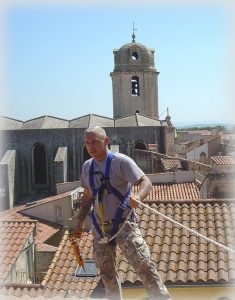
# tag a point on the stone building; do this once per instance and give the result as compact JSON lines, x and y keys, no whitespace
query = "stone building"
{"x":36,"y":154}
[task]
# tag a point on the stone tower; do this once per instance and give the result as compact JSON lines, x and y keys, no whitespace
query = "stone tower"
{"x":135,"y":81}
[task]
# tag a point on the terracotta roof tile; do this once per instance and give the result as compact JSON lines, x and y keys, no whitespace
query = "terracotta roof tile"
{"x":222,"y":160}
{"x":170,"y":164}
{"x":173,"y":191}
{"x":180,"y":256}
{"x":13,"y":238}
{"x":45,"y":229}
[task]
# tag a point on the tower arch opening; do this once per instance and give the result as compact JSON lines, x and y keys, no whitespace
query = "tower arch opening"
{"x":134,"y":55}
{"x":135,"y":86}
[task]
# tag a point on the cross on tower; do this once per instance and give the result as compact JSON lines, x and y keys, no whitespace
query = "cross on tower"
{"x":133,"y":35}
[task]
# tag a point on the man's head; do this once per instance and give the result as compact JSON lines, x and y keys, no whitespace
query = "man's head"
{"x":96,"y":142}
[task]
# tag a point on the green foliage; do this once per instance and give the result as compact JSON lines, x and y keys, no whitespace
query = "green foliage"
{"x":219,"y":127}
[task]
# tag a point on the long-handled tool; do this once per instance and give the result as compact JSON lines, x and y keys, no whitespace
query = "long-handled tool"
{"x":74,"y":243}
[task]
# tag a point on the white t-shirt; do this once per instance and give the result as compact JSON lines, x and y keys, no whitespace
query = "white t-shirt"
{"x":123,"y":174}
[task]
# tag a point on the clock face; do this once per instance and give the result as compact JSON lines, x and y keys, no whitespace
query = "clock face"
{"x":134,"y":55}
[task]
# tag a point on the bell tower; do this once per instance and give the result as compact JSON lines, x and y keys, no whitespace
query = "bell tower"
{"x":134,"y":81}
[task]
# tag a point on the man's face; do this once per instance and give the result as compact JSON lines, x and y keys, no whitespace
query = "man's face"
{"x":96,"y":145}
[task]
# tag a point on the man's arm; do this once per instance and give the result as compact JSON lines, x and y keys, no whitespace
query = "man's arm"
{"x":84,"y":209}
{"x":145,"y":187}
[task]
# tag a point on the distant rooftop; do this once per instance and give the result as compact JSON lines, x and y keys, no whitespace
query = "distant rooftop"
{"x":50,"y":122}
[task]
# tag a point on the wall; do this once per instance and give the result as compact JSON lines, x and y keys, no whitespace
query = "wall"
{"x":66,"y":186}
{"x":47,"y":211}
{"x":221,"y":185}
{"x":150,"y":162}
{"x":61,"y":165}
{"x":214,"y":146}
{"x":176,"y":177}
{"x":187,"y":293}
{"x":23,"y":140}
{"x":7,"y":180}
{"x":195,"y":154}
{"x":123,"y":101}
{"x":43,"y":260}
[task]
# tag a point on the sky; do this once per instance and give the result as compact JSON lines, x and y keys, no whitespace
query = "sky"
{"x":58,"y":58}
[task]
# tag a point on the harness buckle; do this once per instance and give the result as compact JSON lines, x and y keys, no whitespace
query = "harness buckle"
{"x":104,"y":240}
{"x":105,"y":182}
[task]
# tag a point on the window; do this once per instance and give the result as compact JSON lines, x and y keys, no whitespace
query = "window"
{"x":135,"y":88}
{"x":39,"y":164}
{"x":134,"y":55}
{"x":90,"y":269}
{"x":140,"y":145}
{"x":59,"y":212}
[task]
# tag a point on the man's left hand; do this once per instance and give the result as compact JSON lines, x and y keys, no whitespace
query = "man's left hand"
{"x":133,"y":203}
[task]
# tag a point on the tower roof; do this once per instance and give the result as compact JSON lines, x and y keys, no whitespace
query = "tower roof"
{"x":134,"y":56}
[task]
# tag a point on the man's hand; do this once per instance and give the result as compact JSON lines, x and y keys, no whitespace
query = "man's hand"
{"x":133,"y":203}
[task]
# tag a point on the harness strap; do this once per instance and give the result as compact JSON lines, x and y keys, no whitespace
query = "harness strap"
{"x":120,"y":211}
{"x":123,"y":199}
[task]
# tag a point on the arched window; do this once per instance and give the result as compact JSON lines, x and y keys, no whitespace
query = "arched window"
{"x":134,"y":55}
{"x":140,"y":145}
{"x":135,"y":86}
{"x":39,"y":163}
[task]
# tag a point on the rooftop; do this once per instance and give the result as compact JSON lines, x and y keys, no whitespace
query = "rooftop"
{"x":180,"y":256}
{"x":222,"y":160}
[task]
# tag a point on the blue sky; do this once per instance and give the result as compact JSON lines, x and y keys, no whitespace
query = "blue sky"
{"x":59,"y":58}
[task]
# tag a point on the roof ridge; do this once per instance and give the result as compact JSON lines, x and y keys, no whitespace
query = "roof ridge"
{"x":137,"y":121}
{"x":9,"y":118}
{"x":44,"y":121}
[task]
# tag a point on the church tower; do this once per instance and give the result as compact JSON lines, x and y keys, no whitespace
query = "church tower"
{"x":135,"y":81}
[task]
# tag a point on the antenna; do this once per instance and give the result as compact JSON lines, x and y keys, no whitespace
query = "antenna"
{"x":133,"y":35}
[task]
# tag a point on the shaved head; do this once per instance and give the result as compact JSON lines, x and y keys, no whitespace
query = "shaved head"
{"x":97,"y":130}
{"x":96,"y":142}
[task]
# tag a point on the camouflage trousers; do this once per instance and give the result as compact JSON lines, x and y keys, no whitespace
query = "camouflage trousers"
{"x":135,"y":249}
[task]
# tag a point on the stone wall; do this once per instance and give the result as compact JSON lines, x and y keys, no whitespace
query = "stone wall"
{"x":23,"y":141}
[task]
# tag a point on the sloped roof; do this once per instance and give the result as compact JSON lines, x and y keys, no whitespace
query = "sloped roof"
{"x":13,"y":238}
{"x":169,"y":164}
{"x":45,"y":122}
{"x":50,"y":122}
{"x":43,"y":201}
{"x":45,"y":229}
{"x":172,"y":192}
{"x":136,"y":120}
{"x":91,"y":120}
{"x":9,"y":123}
{"x":222,"y":160}
{"x":180,"y":256}
{"x":64,"y":264}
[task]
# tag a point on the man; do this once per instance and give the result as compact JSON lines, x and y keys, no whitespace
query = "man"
{"x":107,"y":179}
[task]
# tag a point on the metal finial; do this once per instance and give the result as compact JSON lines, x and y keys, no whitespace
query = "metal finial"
{"x":133,"y":35}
